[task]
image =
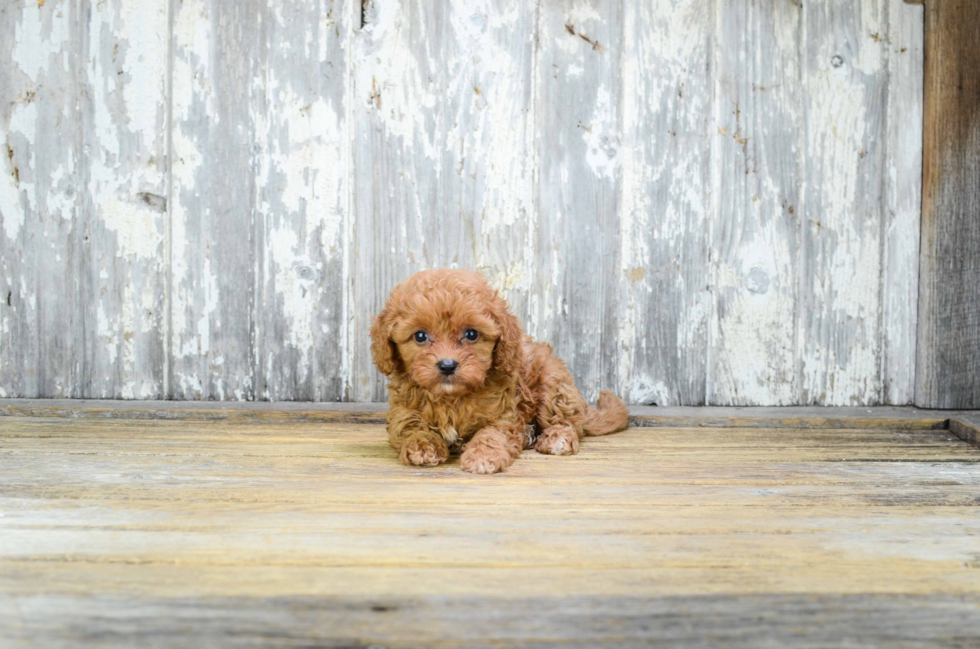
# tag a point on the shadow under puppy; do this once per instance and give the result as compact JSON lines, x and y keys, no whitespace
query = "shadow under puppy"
{"x":465,"y":376}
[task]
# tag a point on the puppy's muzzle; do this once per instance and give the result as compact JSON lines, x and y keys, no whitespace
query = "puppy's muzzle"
{"x":447,"y":366}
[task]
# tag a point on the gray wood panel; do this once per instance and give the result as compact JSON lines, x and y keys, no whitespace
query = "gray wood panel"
{"x":667,"y":206}
{"x":695,"y":202}
{"x":441,"y":105}
{"x":579,"y":134}
{"x":214,"y":220}
{"x":755,"y":237}
{"x":948,"y":365}
{"x":118,"y":338}
{"x":902,"y":203}
{"x":844,"y":91}
{"x":301,"y":162}
{"x":40,"y":176}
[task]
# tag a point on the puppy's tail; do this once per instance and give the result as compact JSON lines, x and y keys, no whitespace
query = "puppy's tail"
{"x":608,"y":416}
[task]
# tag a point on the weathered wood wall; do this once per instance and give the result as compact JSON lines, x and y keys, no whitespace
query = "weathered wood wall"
{"x":696,"y":201}
{"x":948,"y":371}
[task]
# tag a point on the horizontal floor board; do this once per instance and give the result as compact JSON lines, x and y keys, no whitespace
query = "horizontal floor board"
{"x":310,"y":533}
{"x":581,"y":622}
{"x":284,"y":412}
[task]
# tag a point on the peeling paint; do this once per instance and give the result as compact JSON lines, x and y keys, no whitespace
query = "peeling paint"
{"x":602,"y":137}
{"x":684,"y":213}
{"x":31,"y":54}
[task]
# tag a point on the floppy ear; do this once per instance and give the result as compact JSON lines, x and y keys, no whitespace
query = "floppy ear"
{"x":383,"y":348}
{"x":508,"y":353}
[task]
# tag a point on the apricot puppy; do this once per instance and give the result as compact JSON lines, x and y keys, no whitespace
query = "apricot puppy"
{"x":465,"y":377}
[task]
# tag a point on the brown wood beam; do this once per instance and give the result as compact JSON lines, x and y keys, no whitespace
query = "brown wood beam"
{"x":948,"y":353}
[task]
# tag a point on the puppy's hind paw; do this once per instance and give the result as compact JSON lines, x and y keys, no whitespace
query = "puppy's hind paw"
{"x":424,"y":451}
{"x":557,"y":440}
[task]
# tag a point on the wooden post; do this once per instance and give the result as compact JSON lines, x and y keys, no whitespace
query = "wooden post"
{"x":948,"y":363}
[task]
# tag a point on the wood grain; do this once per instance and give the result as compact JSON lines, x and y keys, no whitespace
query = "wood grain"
{"x":815,"y":417}
{"x":302,"y":162}
{"x":948,"y":362}
{"x":579,"y":136}
{"x":967,"y":428}
{"x":40,"y":161}
{"x":442,"y":111}
{"x":845,"y":84}
{"x":663,"y":317}
{"x":695,"y":202}
{"x":738,"y":621}
{"x":902,"y":208}
{"x":118,"y":338}
{"x":214,"y":221}
{"x":755,"y":238}
{"x":280,"y":532}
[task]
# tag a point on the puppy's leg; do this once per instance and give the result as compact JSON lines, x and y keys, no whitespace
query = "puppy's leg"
{"x":493,"y":449}
{"x":561,"y":413}
{"x":557,"y":440}
{"x":423,"y":448}
{"x":417,"y":445}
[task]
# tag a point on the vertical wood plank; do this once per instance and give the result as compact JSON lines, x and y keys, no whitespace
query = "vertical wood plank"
{"x":902,"y":203}
{"x":442,"y":96}
{"x":755,"y":240}
{"x":119,"y":336}
{"x":213,"y":197}
{"x":580,"y":137}
{"x":39,"y":167}
{"x":845,"y":86}
{"x":948,"y":362}
{"x":667,"y":200}
{"x":302,"y":174}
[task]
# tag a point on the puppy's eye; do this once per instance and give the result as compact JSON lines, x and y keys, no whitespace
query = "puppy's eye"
{"x":471,"y":334}
{"x":421,"y":337}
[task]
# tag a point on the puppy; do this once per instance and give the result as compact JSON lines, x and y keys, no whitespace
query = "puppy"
{"x":465,"y":376}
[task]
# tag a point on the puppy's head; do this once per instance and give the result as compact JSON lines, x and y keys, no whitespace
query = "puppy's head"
{"x":445,"y":330}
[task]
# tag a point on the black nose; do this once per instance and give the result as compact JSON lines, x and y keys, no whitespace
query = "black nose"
{"x":447,"y":366}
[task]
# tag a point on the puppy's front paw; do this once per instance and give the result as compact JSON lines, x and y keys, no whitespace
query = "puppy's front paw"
{"x":478,"y":461}
{"x":557,"y":440}
{"x":484,"y":461}
{"x":424,"y":451}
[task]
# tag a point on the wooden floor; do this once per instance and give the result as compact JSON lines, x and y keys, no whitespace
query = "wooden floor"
{"x":196,"y":533}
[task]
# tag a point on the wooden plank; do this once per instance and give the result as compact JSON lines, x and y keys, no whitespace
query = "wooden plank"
{"x":845,"y":83}
{"x":119,"y":337}
{"x":649,"y":417}
{"x":212,"y":203}
{"x":579,"y":132}
{"x":666,"y":210}
{"x":443,"y":150}
{"x":236,"y":448}
{"x":967,"y":428}
{"x":902,"y":204}
{"x":117,"y":533}
{"x":40,"y":161}
{"x":736,"y":621}
{"x":948,"y":361}
{"x":754,"y":355}
{"x":302,"y":171}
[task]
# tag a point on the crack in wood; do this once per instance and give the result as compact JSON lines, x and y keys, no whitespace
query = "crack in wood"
{"x":594,"y":43}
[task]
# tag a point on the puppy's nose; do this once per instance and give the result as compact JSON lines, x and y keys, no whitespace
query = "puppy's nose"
{"x":447,"y":366}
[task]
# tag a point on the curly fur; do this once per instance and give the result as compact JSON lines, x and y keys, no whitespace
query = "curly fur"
{"x":504,"y":381}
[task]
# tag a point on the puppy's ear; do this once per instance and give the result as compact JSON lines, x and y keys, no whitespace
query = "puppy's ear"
{"x":383,"y":348}
{"x":508,"y":354}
